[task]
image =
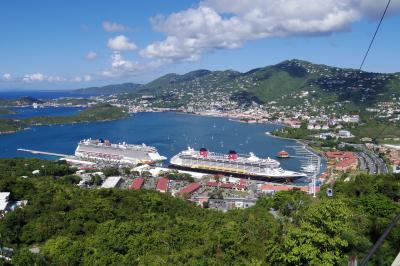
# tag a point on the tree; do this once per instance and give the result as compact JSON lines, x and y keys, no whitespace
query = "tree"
{"x":24,"y":257}
{"x":319,"y":237}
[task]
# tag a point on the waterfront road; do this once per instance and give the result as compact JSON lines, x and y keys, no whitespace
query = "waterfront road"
{"x":371,"y":162}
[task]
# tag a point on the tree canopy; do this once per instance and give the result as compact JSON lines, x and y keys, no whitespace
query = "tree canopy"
{"x":75,"y":226}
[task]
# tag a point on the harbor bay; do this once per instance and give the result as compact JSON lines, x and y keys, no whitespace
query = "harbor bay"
{"x":169,"y":132}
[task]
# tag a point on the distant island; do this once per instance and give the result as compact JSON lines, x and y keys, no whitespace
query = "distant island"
{"x":100,"y":112}
{"x":5,"y":111}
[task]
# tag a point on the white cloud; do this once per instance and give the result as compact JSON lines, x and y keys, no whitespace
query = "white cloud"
{"x":34,"y":77}
{"x":75,"y":79}
{"x":121,"y":43}
{"x":39,"y":77}
{"x":7,"y":76}
{"x":228,"y":24}
{"x":121,"y":66}
{"x":91,"y":56}
{"x":87,"y":78}
{"x":55,"y":79}
{"x":84,"y":78}
{"x":114,"y":27}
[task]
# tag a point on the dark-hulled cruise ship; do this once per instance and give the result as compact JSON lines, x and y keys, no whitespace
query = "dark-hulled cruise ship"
{"x":244,"y":166}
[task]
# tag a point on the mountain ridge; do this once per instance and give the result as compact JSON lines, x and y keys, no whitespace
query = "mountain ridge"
{"x":279,"y":82}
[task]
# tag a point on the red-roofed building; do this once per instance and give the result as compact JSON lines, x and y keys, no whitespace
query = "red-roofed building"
{"x":162,"y":184}
{"x":344,"y":160}
{"x":189,"y":189}
{"x":137,"y":183}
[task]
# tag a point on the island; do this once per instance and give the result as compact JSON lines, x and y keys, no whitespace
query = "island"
{"x":99,"y":112}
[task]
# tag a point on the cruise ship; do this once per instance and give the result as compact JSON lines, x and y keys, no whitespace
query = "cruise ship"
{"x":99,"y":150}
{"x":244,"y":166}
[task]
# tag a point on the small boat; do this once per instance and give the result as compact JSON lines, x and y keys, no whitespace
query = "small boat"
{"x":283,"y":154}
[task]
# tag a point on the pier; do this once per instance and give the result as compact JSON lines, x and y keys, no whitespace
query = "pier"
{"x":44,"y":153}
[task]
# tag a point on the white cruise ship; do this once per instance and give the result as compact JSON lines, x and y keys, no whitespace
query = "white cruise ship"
{"x":99,"y":150}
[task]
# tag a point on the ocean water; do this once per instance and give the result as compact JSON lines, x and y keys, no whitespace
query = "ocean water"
{"x":170,"y":133}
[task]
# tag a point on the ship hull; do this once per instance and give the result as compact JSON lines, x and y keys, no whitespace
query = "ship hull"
{"x":239,"y":175}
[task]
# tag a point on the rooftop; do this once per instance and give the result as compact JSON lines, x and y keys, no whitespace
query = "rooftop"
{"x":111,"y":182}
{"x":162,"y":184}
{"x":190,"y":188}
{"x":137,"y":183}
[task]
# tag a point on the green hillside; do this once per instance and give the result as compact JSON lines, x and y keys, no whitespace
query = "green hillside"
{"x":111,"y":89}
{"x":282,"y":83}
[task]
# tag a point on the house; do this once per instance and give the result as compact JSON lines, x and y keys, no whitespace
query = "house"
{"x":111,"y":182}
{"x":345,"y":134}
{"x":137,"y":183}
{"x":162,"y":185}
{"x":231,"y":203}
{"x":351,"y":118}
{"x":189,"y":189}
{"x":326,"y":135}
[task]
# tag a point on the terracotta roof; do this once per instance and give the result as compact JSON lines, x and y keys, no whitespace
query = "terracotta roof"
{"x":190,"y":188}
{"x":137,"y":183}
{"x":162,"y":184}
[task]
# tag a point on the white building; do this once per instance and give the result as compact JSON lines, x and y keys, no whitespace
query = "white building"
{"x":351,"y":118}
{"x":4,"y":196}
{"x":111,"y":182}
{"x":345,"y":134}
{"x":396,"y":169}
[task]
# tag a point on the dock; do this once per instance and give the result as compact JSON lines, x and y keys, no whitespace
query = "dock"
{"x":44,"y":153}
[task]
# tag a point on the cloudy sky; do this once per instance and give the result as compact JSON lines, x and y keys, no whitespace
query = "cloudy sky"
{"x":73,"y":44}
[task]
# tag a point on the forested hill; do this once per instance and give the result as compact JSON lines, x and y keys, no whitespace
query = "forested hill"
{"x":73,"y":226}
{"x":111,"y":89}
{"x":282,"y":81}
{"x":22,"y":101}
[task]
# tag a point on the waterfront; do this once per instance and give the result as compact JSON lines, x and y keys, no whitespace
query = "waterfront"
{"x":168,"y":132}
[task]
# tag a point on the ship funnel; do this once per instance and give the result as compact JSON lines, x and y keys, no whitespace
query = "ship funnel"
{"x":203,"y":152}
{"x":232,"y":155}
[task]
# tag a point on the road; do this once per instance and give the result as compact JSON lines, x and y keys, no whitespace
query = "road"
{"x":371,"y":162}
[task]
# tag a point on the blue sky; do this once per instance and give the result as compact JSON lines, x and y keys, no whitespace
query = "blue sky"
{"x":73,"y":44}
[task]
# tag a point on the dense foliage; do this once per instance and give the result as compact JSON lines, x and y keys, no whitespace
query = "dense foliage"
{"x":74,"y":226}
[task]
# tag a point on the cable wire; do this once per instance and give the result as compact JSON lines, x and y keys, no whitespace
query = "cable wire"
{"x":376,"y":31}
